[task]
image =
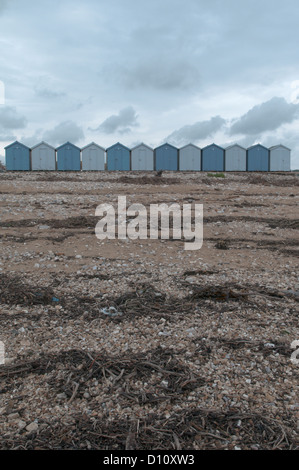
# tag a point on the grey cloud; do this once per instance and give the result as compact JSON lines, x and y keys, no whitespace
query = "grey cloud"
{"x":49,"y":94}
{"x":160,"y":56}
{"x":164,"y":56}
{"x":34,"y":139}
{"x":65,"y":131}
{"x":6,"y":137}
{"x":165,"y":74}
{"x":265,"y":117}
{"x":195,"y":132}
{"x":288,"y":137}
{"x":10,"y":119}
{"x":121,"y":122}
{"x":46,"y":87}
{"x":3,"y":4}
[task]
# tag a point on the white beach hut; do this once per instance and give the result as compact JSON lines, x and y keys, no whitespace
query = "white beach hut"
{"x":93,"y":157}
{"x":43,"y":157}
{"x":142,"y":158}
{"x":190,"y":158}
{"x":280,"y":158}
{"x":235,"y":158}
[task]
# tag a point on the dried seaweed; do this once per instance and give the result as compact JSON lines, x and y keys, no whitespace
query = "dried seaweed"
{"x":189,"y":429}
{"x":267,"y":180}
{"x":14,"y":291}
{"x":141,"y":180}
{"x":218,"y":293}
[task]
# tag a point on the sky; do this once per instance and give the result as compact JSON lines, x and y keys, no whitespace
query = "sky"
{"x":133,"y":71}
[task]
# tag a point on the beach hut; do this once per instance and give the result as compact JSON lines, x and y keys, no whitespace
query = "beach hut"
{"x":166,"y":158}
{"x":43,"y":157}
{"x":142,"y":158}
{"x":17,"y":157}
{"x":190,"y":158}
{"x":235,"y":158}
{"x":212,"y":158}
{"x":257,"y":158}
{"x":93,"y":157}
{"x":68,"y":157}
{"x":280,"y":158}
{"x":118,"y":158}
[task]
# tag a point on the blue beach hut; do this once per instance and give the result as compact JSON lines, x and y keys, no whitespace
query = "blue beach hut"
{"x":212,"y":158}
{"x":118,"y":158}
{"x":166,"y":158}
{"x":68,"y":157}
{"x":257,"y":158}
{"x":17,"y":157}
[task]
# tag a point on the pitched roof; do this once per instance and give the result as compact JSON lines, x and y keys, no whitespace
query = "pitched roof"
{"x":43,"y":143}
{"x":190,"y":145}
{"x":17,"y":143}
{"x":142,"y":145}
{"x":92,"y":143}
{"x":257,"y":145}
{"x":168,"y":145}
{"x":118,"y":144}
{"x":235,"y":145}
{"x":279,"y":145}
{"x":67,"y":143}
{"x":213,"y":145}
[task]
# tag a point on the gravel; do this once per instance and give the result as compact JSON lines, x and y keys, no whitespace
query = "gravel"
{"x":140,"y":344}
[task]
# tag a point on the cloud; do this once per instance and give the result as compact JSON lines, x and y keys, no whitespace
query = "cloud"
{"x":195,"y":132}
{"x":3,"y":4}
{"x":165,"y":74}
{"x":163,"y":58}
{"x":267,"y":116}
{"x":10,"y":119}
{"x":121,"y":122}
{"x":6,"y":137}
{"x":32,"y":140}
{"x":49,"y":94}
{"x":63,"y":132}
{"x":245,"y":142}
{"x":46,"y":87}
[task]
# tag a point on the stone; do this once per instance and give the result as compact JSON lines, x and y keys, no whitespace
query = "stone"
{"x":190,"y":279}
{"x":13,"y":416}
{"x":61,"y":396}
{"x":32,"y":427}
{"x":21,"y":424}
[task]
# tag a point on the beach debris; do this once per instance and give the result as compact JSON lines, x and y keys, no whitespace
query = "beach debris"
{"x":111,"y":312}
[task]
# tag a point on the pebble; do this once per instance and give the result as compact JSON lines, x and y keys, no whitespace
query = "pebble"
{"x":32,"y":427}
{"x":191,"y":279}
{"x":21,"y":424}
{"x":250,"y":378}
{"x":13,"y":416}
{"x":62,"y":396}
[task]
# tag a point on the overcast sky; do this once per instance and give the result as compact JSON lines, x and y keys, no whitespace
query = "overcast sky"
{"x":134,"y":71}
